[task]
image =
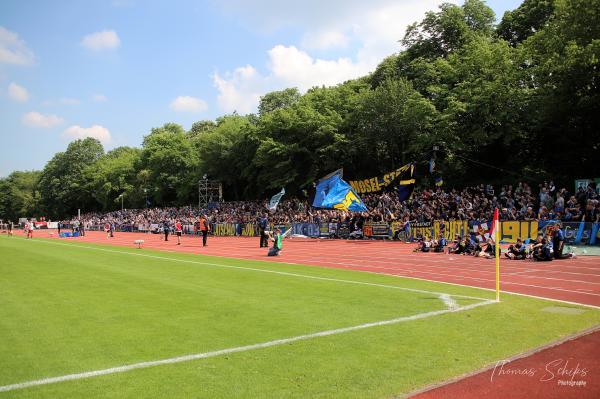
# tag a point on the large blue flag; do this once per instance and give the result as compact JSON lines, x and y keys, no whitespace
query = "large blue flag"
{"x":335,"y":193}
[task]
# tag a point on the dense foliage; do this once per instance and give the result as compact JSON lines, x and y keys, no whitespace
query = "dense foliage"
{"x":518,"y":98}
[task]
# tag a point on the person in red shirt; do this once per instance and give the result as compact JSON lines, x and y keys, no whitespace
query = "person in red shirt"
{"x":204,"y":229}
{"x":178,"y":230}
{"x":107,"y":229}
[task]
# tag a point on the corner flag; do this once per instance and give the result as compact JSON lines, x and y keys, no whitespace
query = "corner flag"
{"x":495,"y":233}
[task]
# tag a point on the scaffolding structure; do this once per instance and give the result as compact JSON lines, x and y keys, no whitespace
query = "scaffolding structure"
{"x":209,"y":191}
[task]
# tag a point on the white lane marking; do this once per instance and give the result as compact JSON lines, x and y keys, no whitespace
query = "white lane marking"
{"x":289,"y":274}
{"x":449,"y":301}
{"x":205,"y":355}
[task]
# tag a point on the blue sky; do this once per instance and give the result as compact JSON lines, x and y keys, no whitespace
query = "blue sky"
{"x":115,"y":69}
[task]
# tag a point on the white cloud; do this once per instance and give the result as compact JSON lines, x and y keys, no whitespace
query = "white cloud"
{"x":99,"y":98}
{"x":106,"y":39}
{"x":288,"y":67}
{"x":366,"y":31}
{"x":35,"y":119}
{"x":240,"y":90}
{"x":296,"y":68}
{"x":13,"y":50}
{"x":188,"y":104}
{"x":96,"y":131}
{"x":18,"y":93}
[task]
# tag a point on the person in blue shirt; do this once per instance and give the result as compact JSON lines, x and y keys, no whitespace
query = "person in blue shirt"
{"x":263,"y":224}
{"x":166,"y":229}
{"x":542,"y":250}
{"x":440,"y":244}
{"x":558,"y":241}
{"x":516,"y":251}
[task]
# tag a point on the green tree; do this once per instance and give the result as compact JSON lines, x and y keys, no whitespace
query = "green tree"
{"x":483,"y":105}
{"x":19,"y":195}
{"x":201,"y":127}
{"x":277,"y":100}
{"x":172,"y":163}
{"x":441,"y":33}
{"x":299,"y":143}
{"x":62,"y":183}
{"x":226,"y":155}
{"x":561,"y":68}
{"x":394,"y":125}
{"x":115,"y":174}
{"x":519,"y":24}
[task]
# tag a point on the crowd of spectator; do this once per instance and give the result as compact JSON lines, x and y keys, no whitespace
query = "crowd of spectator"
{"x":518,"y":202}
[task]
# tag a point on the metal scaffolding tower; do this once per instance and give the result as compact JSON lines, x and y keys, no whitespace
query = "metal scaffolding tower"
{"x":209,"y":191}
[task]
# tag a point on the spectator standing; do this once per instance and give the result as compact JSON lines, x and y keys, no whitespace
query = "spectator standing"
{"x":166,"y":227}
{"x":204,"y":228}
{"x":262,"y":229}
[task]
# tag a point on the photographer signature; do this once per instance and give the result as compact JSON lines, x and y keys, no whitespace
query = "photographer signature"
{"x":559,"y":368}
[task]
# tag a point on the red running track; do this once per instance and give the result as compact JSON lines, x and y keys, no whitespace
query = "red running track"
{"x":572,"y":280}
{"x":568,"y":370}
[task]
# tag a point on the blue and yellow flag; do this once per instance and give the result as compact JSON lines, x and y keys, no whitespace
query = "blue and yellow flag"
{"x":335,"y":193}
{"x":401,"y":179}
{"x":439,"y":181}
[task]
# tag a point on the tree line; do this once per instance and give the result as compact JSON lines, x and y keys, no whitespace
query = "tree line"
{"x":516,"y":100}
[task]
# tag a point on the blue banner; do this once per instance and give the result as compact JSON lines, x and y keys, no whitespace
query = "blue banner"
{"x":335,"y":193}
{"x":306,"y":229}
{"x":580,"y":233}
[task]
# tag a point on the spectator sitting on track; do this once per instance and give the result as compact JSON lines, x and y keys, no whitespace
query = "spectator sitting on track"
{"x":541,"y":250}
{"x":440,"y":244}
{"x":471,"y":245}
{"x":516,"y":251}
{"x":424,"y":245}
{"x":459,"y":246}
{"x":487,"y":249}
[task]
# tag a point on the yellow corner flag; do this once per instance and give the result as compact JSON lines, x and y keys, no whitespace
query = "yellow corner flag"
{"x":496,"y":233}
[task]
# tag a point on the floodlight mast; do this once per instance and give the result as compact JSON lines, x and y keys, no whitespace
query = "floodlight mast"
{"x":209,"y":191}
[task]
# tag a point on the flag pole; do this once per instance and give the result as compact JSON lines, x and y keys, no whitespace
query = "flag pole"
{"x":497,"y":245}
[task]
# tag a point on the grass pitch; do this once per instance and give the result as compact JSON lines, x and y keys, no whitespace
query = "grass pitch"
{"x":68,"y":308}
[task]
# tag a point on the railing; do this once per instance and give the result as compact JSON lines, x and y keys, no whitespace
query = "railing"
{"x":575,"y":232}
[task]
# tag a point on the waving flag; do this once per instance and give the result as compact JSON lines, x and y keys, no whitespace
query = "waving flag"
{"x":401,"y":179}
{"x":275,"y":200}
{"x":335,"y":193}
{"x":406,"y":182}
{"x":494,"y":225}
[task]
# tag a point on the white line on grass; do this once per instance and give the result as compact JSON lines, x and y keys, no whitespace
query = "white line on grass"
{"x":449,"y":301}
{"x":289,"y":274}
{"x":205,"y":355}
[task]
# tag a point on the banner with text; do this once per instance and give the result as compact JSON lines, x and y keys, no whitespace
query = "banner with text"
{"x":402,"y":178}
